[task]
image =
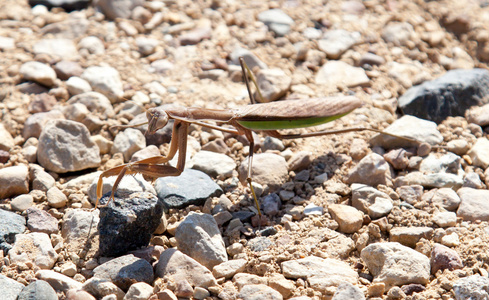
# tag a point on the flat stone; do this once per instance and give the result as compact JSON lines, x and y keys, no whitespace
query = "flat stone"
{"x":445,"y":219}
{"x":335,"y":42}
{"x":128,"y":142}
{"x":214,"y":164}
{"x":105,"y":80}
{"x":349,"y":218}
{"x":410,"y":127}
{"x":210,"y":250}
{"x":101,"y":287}
{"x":268,"y":169}
{"x":65,"y":146}
{"x":276,"y":20}
{"x":38,"y":72}
{"x":473,"y":204}
{"x":479,"y":153}
{"x":125,"y":270}
{"x":95,"y":102}
{"x":78,"y":227}
{"x":371,"y":170}
{"x":339,"y":73}
{"x":371,"y":201}
{"x":320,"y":273}
{"x":41,"y":221}
{"x":33,"y":247}
{"x":259,"y":291}
{"x":348,"y":291}
{"x":409,"y":236}
{"x":35,"y":123}
{"x":59,"y":47}
{"x":190,"y":187}
{"x":10,"y":288}
{"x":14,"y":181}
{"x":394,"y":264}
{"x":22,"y":202}
{"x":229,"y":268}
{"x":398,"y":33}
{"x":38,"y":289}
{"x":178,"y":266}
{"x":11,"y":224}
{"x":273,"y":84}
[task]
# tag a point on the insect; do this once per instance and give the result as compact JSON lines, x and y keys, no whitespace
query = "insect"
{"x":263,"y":117}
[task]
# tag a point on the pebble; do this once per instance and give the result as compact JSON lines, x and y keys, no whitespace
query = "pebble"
{"x":338,"y":73}
{"x":195,"y":36}
{"x":146,"y":46}
{"x":65,"y":146}
{"x":320,"y":273}
{"x":335,"y":42}
{"x":214,"y":164}
{"x":58,"y":47}
{"x":114,"y":10}
{"x":410,"y":289}
{"x":371,"y":201}
{"x":411,"y":127}
{"x":371,"y":170}
{"x":437,"y":180}
{"x":95,"y":102}
{"x":259,"y":291}
{"x":56,"y":198}
{"x":249,"y":58}
{"x":7,"y":43}
{"x":349,"y":219}
{"x":175,"y":192}
{"x":443,"y":258}
{"x":22,"y":202}
{"x":300,"y":160}
{"x":201,"y":293}
{"x":65,"y":69}
{"x":42,"y":103}
{"x":93,"y":44}
{"x":471,"y":287}
{"x":259,"y":244}
{"x":38,"y":289}
{"x":41,"y":221}
{"x":313,"y":210}
{"x":36,"y":122}
{"x":105,"y":80}
{"x":271,"y":143}
{"x":10,"y":288}
{"x":448,"y":163}
{"x":243,"y":279}
{"x":103,"y":287}
{"x":14,"y":181}
{"x":210,"y":250}
{"x":124,"y":270}
{"x":449,"y":95}
{"x":38,"y":72}
{"x":229,"y":268}
{"x":139,"y":291}
{"x":273,"y":84}
{"x":348,"y":291}
{"x":410,"y":236}
{"x":162,"y":66}
{"x":398,"y":158}
{"x":473,"y":204}
{"x":128,"y":142}
{"x":77,"y":85}
{"x":445,"y":219}
{"x":79,"y":226}
{"x":478,"y":115}
{"x":6,"y":140}
{"x":479,"y":154}
{"x":411,"y":194}
{"x":268,"y":169}
{"x":175,"y":265}
{"x":398,"y":33}
{"x":277,"y":21}
{"x":127,"y":224}
{"x":33,"y":247}
{"x":371,"y":59}
{"x":473,"y":180}
{"x":394,"y":264}
{"x":41,"y":180}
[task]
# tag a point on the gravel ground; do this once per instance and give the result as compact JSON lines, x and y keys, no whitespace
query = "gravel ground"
{"x":347,"y":216}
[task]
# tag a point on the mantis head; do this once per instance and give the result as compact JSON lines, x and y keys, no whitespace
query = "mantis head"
{"x":157,"y":119}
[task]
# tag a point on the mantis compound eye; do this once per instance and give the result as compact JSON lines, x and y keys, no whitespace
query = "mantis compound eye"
{"x":156,"y":120}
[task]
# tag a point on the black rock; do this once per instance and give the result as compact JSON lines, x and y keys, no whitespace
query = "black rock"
{"x":449,"y":95}
{"x":243,"y":215}
{"x":10,"y":225}
{"x":128,"y":222}
{"x":191,"y":187}
{"x":67,"y":5}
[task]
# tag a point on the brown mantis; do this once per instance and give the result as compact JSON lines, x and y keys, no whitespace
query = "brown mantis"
{"x":264,"y":117}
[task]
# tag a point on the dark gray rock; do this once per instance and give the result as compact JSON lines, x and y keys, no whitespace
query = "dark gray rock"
{"x":67,"y":5}
{"x":38,"y":289}
{"x":450,"y":95}
{"x":191,"y":187}
{"x":10,"y":225}
{"x":243,"y":215}
{"x":125,"y":270}
{"x":128,"y":222}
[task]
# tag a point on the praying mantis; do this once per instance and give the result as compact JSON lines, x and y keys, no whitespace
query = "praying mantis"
{"x":262,"y":117}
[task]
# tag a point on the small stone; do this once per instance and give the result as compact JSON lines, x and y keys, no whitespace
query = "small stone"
{"x":398,"y":33}
{"x":146,"y":46}
{"x":11,"y":288}
{"x":409,"y":236}
{"x":443,"y":258}
{"x":479,"y":153}
{"x":214,"y":164}
{"x":60,"y":48}
{"x":269,"y":169}
{"x":347,"y":291}
{"x":65,"y":69}
{"x":139,"y":291}
{"x":56,"y":198}
{"x":93,"y":44}
{"x":38,"y":72}
{"x":102,"y":288}
{"x":473,"y":204}
{"x":445,"y":219}
{"x":273,"y":84}
{"x":335,"y":42}
{"x":259,"y":291}
{"x":14,"y":181}
{"x":124,"y":270}
{"x":313,"y":210}
{"x":446,"y":198}
{"x":201,"y":293}
{"x":68,"y":269}
{"x":471,"y":287}
{"x":397,"y":158}
{"x":210,"y":250}
{"x":338,"y":73}
{"x":38,"y":289}
{"x":105,"y":80}
{"x":22,"y":202}
{"x":349,"y":219}
{"x":33,"y":247}
{"x":299,"y":161}
{"x":371,"y":170}
{"x":77,"y":85}
{"x":128,"y":142}
{"x":229,"y":268}
{"x":276,"y":20}
{"x":271,"y":204}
